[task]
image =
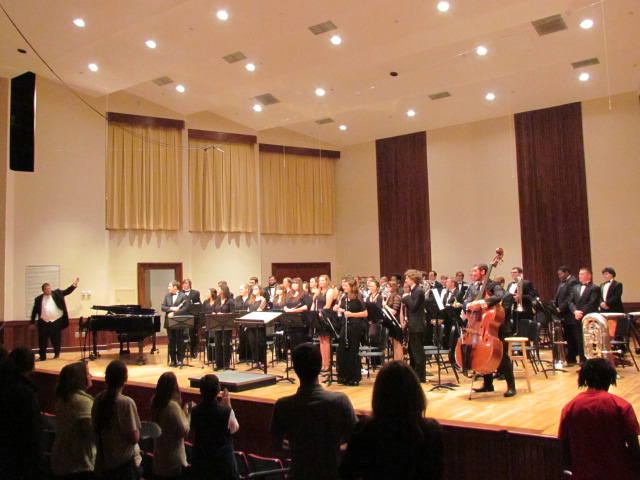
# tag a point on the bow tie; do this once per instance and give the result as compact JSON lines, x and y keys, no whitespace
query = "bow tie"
{"x":585,"y":284}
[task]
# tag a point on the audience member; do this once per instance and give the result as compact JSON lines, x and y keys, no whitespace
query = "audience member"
{"x":315,"y":422}
{"x":213,"y":422}
{"x":74,"y":451}
{"x":598,"y":430}
{"x":21,"y":432}
{"x":169,"y":456}
{"x":116,"y":427}
{"x":396,"y":441}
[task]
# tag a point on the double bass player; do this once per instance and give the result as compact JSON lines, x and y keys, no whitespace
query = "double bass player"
{"x":493,"y":296}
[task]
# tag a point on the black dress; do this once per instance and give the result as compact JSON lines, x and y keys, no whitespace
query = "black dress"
{"x":318,"y":304}
{"x":348,"y":360}
{"x":223,"y":342}
{"x":297,"y":335}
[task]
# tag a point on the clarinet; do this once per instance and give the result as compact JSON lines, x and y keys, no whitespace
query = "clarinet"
{"x":346,"y":320}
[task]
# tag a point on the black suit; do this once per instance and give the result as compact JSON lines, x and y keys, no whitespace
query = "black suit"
{"x":587,"y":303}
{"x":614,"y":297}
{"x":452,"y":321}
{"x":414,"y":305}
{"x":529,"y":294}
{"x":175,"y":335}
{"x":52,"y":330}
{"x":195,"y":309}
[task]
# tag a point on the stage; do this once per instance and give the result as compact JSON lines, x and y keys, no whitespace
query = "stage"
{"x":536,"y":412}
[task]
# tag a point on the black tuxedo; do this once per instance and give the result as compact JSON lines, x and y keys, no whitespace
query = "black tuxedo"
{"x":462,"y":287}
{"x":414,"y":315}
{"x":562,"y":298}
{"x":195,"y":309}
{"x":587,"y":303}
{"x":614,"y":297}
{"x":269,"y":293}
{"x":52,"y":330}
{"x":175,"y":336}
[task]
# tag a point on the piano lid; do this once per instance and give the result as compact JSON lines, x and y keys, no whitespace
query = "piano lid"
{"x":125,"y":309}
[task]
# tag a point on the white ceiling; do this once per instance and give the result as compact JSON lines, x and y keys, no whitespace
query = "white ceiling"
{"x":431,"y":51}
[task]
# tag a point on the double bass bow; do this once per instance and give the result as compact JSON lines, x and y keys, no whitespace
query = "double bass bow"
{"x":479,"y":349}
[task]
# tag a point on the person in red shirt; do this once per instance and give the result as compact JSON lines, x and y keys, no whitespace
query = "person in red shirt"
{"x":598,"y":430}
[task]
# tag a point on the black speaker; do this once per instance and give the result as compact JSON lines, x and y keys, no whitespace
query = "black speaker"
{"x":22,"y":125}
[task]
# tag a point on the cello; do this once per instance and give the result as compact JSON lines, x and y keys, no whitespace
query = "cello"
{"x":479,"y":349}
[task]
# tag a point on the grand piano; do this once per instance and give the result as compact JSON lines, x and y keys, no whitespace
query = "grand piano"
{"x":132,"y":323}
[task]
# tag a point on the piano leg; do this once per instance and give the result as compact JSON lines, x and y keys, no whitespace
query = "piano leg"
{"x":141,"y":360}
{"x":153,"y":347}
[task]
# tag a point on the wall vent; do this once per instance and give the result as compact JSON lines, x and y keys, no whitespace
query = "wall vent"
{"x":547,"y":25}
{"x":585,"y":63}
{"x":267,"y":99}
{"x":438,"y":96}
{"x":234,"y":57}
{"x":324,"y":121}
{"x":162,"y":81}
{"x":323,"y":27}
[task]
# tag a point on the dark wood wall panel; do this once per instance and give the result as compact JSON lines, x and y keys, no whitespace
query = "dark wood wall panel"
{"x":20,"y":333}
{"x":403,"y":203}
{"x":554,"y":217}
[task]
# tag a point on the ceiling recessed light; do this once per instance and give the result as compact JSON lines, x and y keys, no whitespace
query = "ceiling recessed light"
{"x":343,"y":127}
{"x":443,"y":6}
{"x":584,"y":76}
{"x":180,"y":88}
{"x":78,"y":22}
{"x":481,"y":50}
{"x":257,"y":108}
{"x":336,"y":40}
{"x":250,"y":66}
{"x":320,"y":92}
{"x":586,"y":23}
{"x":222,"y":15}
{"x":150,"y":44}
{"x":490,"y":96}
{"x":411,"y":113}
{"x":93,"y":67}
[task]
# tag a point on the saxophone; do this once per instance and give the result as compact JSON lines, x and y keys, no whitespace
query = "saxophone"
{"x":597,"y":342}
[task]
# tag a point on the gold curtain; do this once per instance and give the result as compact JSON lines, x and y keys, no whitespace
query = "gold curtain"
{"x":144,"y":178}
{"x":222,"y":187}
{"x":298,"y":194}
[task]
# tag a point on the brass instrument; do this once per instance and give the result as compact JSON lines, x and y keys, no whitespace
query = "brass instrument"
{"x":520,"y":283}
{"x":558,"y":341}
{"x":597,"y":342}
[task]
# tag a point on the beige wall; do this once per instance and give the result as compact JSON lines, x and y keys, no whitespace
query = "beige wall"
{"x":612,"y":154}
{"x":473,"y":196}
{"x":357,"y":213}
{"x":59,"y":211}
{"x":56,"y":214}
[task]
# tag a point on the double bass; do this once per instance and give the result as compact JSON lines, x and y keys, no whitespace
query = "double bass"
{"x":479,"y":349}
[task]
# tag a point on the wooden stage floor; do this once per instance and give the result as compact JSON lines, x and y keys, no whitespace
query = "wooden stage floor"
{"x":537,"y":412}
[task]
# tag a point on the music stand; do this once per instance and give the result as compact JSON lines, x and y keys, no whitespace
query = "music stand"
{"x":180,"y":322}
{"x":289,"y":320}
{"x":320,"y":319}
{"x":222,"y":322}
{"x":258,"y":320}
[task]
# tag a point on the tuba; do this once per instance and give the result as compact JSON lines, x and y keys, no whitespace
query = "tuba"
{"x":597,"y":342}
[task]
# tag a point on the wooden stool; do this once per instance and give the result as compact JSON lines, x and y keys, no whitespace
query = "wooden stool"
{"x":522,"y":357}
